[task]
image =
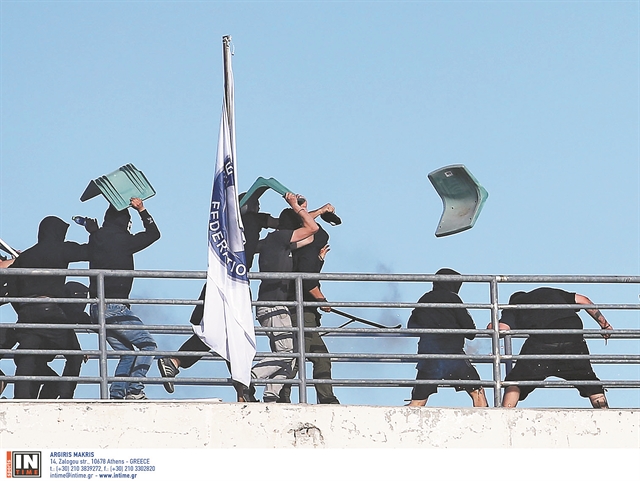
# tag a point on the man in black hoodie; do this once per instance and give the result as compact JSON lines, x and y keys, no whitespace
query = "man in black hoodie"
{"x":444,"y":318}
{"x":112,"y":247}
{"x":52,"y":252}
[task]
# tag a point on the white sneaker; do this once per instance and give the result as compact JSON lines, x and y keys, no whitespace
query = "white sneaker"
{"x":141,"y":396}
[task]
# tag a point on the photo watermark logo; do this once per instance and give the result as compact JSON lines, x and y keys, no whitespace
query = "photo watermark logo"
{"x":24,"y":464}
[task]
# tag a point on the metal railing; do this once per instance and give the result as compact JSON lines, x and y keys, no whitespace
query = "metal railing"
{"x":500,"y":357}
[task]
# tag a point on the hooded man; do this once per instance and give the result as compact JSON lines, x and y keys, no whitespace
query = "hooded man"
{"x":444,"y":318}
{"x":112,"y":247}
{"x":50,"y":252}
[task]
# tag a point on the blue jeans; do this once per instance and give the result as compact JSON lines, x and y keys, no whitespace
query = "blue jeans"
{"x":126,"y":340}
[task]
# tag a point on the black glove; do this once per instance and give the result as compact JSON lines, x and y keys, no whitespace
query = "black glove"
{"x":91,"y":225}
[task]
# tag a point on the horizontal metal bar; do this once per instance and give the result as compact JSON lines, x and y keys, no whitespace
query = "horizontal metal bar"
{"x":337,"y":356}
{"x":163,"y":274}
{"x":334,"y":382}
{"x":93,"y":328}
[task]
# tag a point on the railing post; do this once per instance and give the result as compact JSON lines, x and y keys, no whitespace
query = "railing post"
{"x":495,"y":344}
{"x":508,"y":351}
{"x":102,"y":338}
{"x":302,"y":365}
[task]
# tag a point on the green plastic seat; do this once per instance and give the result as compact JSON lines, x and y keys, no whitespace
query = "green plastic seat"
{"x":120,"y":186}
{"x":462,"y":197}
{"x":260,"y":186}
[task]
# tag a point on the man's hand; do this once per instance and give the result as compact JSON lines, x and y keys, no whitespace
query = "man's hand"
{"x":323,"y":252}
{"x":606,"y":327}
{"x":327,"y":208}
{"x":501,"y":326}
{"x":596,"y":315}
{"x":90,"y":225}
{"x":318,"y":296}
{"x":324,"y":308}
{"x":137,"y":204}
{"x":292,"y":200}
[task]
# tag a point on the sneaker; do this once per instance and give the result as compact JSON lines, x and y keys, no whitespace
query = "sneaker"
{"x":271,"y":399}
{"x":167,"y":369}
{"x":249,"y":395}
{"x":141,"y":396}
{"x":3,"y":384}
{"x":284,"y":398}
{"x":328,"y":400}
{"x":285,"y":394}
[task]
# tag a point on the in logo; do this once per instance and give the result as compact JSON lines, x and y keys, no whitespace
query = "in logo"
{"x":24,"y":464}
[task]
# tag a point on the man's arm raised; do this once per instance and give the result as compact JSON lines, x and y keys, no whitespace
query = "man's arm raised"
{"x":309,"y":226}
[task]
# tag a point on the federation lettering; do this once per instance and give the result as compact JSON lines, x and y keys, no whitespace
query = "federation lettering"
{"x":235,"y":266}
{"x":218,"y":224}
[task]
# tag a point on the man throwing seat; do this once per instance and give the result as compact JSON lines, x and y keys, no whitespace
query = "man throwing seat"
{"x":112,"y":247}
{"x":275,"y":256}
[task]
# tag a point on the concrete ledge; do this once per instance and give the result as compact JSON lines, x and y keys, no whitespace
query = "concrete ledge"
{"x":212,"y":424}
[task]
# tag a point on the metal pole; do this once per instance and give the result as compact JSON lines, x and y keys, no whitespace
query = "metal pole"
{"x":495,"y":344}
{"x":302,"y":367}
{"x":508,"y":351}
{"x":228,"y":86}
{"x":102,"y":339}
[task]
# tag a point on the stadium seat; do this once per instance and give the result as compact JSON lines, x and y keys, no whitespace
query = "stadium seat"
{"x":120,"y":186}
{"x":462,"y":198}
{"x":260,"y":186}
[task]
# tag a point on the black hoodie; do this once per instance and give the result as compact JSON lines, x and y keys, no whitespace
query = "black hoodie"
{"x":51,"y":251}
{"x":112,"y":247}
{"x":445,"y":292}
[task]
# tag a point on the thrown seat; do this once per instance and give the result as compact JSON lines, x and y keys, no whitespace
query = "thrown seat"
{"x":120,"y":186}
{"x":462,"y":198}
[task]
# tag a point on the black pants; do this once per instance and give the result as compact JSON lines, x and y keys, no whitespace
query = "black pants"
{"x":54,"y":339}
{"x":567,"y":369}
{"x":72,"y":366}
{"x":444,"y":369}
{"x":194,"y":343}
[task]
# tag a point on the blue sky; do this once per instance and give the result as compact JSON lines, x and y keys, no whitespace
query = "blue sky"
{"x":352,"y":103}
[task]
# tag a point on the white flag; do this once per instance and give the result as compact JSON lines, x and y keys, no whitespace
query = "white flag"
{"x":227,"y":324}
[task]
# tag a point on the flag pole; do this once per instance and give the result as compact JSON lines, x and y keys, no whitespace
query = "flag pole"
{"x":227,"y":324}
{"x":228,"y":85}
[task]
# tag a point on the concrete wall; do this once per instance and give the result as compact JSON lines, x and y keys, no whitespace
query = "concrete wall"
{"x":198,"y":424}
